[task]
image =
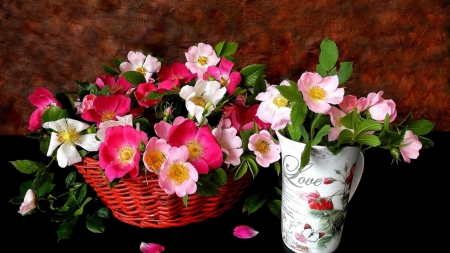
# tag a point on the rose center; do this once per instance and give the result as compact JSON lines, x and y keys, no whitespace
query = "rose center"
{"x":154,"y":160}
{"x":316,"y":93}
{"x":280,"y":101}
{"x":262,"y":146}
{"x":178,"y":173}
{"x":126,"y":154}
{"x":108,"y":115}
{"x":199,"y":101}
{"x":202,"y":60}
{"x":69,"y":136}
{"x":195,"y":150}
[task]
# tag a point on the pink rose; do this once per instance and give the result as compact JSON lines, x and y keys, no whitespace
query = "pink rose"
{"x":410,"y":146}
{"x":29,"y":203}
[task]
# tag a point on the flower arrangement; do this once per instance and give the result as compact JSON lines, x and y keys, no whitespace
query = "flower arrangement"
{"x":194,"y":123}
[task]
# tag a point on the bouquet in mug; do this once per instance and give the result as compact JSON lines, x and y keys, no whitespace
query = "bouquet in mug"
{"x":192,"y":123}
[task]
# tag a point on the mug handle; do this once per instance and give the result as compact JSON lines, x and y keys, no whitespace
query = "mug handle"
{"x":357,"y":174}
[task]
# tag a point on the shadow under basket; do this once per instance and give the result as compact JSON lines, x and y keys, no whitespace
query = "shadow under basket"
{"x":141,"y":202}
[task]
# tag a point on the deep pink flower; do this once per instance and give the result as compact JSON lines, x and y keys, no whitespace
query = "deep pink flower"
{"x":203,"y":146}
{"x":120,"y":154}
{"x":42,"y":99}
{"x":107,"y":108}
{"x":151,"y":247}
{"x":174,"y":76}
{"x":410,"y":146}
{"x":242,"y":117}
{"x":244,"y":232}
{"x":315,"y":201}
{"x":224,"y":76}
{"x":142,"y":91}
{"x":121,"y":86}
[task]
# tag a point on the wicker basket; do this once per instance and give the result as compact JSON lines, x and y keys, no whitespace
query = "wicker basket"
{"x":141,"y":202}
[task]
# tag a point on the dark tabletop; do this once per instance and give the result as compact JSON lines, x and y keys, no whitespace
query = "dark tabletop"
{"x":391,"y":202}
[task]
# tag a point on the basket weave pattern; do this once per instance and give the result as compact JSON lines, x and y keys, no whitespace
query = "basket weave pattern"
{"x":141,"y":202}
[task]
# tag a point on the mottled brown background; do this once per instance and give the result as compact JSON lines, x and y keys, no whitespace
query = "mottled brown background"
{"x":399,"y":46}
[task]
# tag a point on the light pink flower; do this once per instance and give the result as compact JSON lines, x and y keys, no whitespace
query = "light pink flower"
{"x":382,"y":107}
{"x":410,"y":146}
{"x":29,"y":202}
{"x":274,"y":107}
{"x":146,"y":65}
{"x":42,"y":99}
{"x":151,"y":248}
{"x":202,"y":145}
{"x":319,"y":92}
{"x":86,"y":104}
{"x":121,"y":86}
{"x":231,"y":143}
{"x":107,"y":108}
{"x":155,"y":154}
{"x":265,"y":149}
{"x":244,"y":232}
{"x":224,"y":76}
{"x":335,"y":118}
{"x":199,"y":58}
{"x":349,"y":102}
{"x":177,"y":175}
{"x":120,"y":154}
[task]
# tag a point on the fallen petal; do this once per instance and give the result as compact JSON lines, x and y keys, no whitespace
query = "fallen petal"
{"x":151,"y":248}
{"x":244,"y":232}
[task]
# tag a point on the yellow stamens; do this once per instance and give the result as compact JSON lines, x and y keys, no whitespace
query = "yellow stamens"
{"x":114,"y":88}
{"x":224,"y":82}
{"x":195,"y":149}
{"x":199,"y":101}
{"x":108,"y":115}
{"x":126,"y":154}
{"x":69,"y":136}
{"x":202,"y":60}
{"x":316,"y":93}
{"x":262,"y":146}
{"x":178,"y":173}
{"x":154,"y":159}
{"x":280,"y":101}
{"x":141,"y":70}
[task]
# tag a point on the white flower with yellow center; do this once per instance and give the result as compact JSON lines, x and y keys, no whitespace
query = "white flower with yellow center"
{"x":67,"y":135}
{"x":203,"y":96}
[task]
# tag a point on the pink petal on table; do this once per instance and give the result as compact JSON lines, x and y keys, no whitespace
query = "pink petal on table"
{"x":151,"y":248}
{"x":244,"y":232}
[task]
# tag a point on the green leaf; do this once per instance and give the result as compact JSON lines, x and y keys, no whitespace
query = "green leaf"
{"x":291,"y":93}
{"x":350,"y":120}
{"x":109,"y":70}
{"x":325,"y":130}
{"x":275,"y":207}
{"x":66,"y":101}
{"x":253,"y":166}
{"x":298,"y":113}
{"x":103,"y":212}
{"x":207,"y":189}
{"x":53,"y":114}
{"x":219,"y":177}
{"x":117,"y":62}
{"x":306,"y":155}
{"x":95,"y":224}
{"x":82,"y":193}
{"x":366,"y":126}
{"x":27,"y":166}
{"x":251,"y":73}
{"x":65,"y":229}
{"x":45,"y":189}
{"x":70,"y":179}
{"x":134,"y":77}
{"x":277,"y":167}
{"x":328,"y":54}
{"x":241,"y":171}
{"x":42,"y":176}
{"x":368,"y":139}
{"x":254,"y":202}
{"x":345,"y":71}
{"x":144,"y":124}
{"x":185,"y":200}
{"x":421,"y":127}
{"x":345,"y":137}
{"x":321,"y":71}
{"x":80,"y":210}
{"x":245,"y":136}
{"x":224,"y":48}
{"x":294,"y":132}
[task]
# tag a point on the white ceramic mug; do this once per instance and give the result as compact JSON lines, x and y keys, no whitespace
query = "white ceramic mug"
{"x":314,"y":201}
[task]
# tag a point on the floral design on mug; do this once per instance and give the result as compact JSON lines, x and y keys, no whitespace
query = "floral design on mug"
{"x":308,"y":234}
